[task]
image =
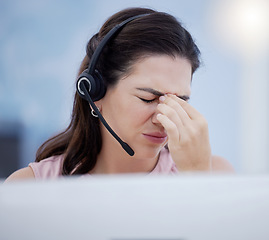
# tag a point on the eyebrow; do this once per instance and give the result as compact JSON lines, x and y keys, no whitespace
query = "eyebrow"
{"x":157,"y":93}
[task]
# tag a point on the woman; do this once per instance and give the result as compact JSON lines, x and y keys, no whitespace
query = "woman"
{"x":147,"y":69}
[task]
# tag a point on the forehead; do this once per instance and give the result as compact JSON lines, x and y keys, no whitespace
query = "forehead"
{"x":162,"y":73}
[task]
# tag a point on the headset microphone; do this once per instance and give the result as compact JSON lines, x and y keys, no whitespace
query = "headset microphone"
{"x":90,"y":84}
{"x":124,"y":145}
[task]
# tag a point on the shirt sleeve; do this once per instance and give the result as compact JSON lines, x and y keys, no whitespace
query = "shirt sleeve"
{"x":48,"y":168}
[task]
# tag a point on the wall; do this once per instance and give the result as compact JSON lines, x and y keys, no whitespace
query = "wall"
{"x":43,"y":42}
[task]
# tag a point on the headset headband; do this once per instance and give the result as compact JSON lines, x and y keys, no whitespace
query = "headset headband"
{"x":108,"y":36}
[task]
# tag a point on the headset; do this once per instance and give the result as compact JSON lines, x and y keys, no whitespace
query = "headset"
{"x":91,"y":86}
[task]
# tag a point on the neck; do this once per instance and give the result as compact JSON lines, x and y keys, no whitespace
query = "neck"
{"x":113,"y":159}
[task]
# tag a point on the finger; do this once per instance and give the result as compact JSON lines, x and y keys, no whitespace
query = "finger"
{"x":171,"y":114}
{"x":198,"y":123}
{"x":190,"y":110}
{"x":171,"y":129}
{"x":178,"y":109}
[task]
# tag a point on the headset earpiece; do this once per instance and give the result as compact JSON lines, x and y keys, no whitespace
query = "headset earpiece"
{"x":95,"y":85}
{"x":89,"y":82}
{"x":100,"y":86}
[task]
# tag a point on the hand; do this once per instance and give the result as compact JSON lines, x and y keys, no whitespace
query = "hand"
{"x":187,"y":130}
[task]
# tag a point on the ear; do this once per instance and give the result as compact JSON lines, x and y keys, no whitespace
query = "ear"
{"x":98,"y":104}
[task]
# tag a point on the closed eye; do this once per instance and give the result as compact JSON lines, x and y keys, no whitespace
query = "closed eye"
{"x":148,"y":101}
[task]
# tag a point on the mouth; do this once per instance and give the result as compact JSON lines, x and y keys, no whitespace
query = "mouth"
{"x":156,"y":137}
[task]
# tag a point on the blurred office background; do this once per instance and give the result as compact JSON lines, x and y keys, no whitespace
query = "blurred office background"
{"x":43,"y":42}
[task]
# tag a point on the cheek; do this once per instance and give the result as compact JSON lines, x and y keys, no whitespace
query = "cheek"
{"x":135,"y":113}
{"x":126,"y":113}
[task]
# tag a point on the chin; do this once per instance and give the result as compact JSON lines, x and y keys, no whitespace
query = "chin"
{"x":147,"y":152}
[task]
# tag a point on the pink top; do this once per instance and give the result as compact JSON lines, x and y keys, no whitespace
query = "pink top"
{"x":52,"y":167}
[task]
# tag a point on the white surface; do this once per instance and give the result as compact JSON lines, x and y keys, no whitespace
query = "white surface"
{"x":137,"y":207}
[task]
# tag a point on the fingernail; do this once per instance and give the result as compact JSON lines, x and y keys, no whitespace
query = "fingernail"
{"x":162,"y":98}
{"x":158,"y":115}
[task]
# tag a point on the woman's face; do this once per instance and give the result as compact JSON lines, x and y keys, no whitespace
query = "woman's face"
{"x":130,"y":107}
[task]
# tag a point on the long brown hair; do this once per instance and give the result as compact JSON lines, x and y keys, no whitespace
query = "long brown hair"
{"x":153,"y":34}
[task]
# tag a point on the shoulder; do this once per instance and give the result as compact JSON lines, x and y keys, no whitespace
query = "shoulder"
{"x":50,"y":167}
{"x":21,"y":174}
{"x":220,"y":164}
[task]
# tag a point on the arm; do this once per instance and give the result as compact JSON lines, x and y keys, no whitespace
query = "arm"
{"x":21,"y":174}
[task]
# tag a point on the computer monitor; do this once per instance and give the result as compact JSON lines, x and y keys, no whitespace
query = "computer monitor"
{"x":137,"y":207}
